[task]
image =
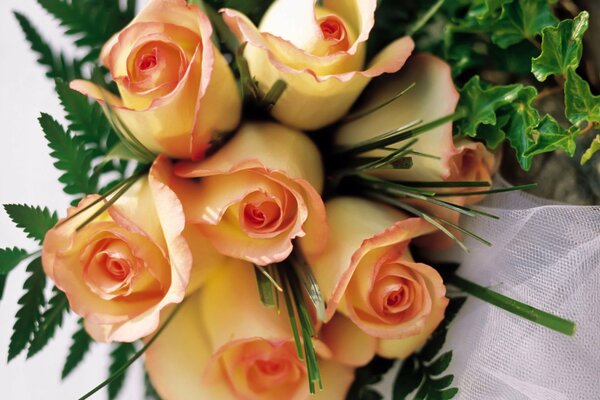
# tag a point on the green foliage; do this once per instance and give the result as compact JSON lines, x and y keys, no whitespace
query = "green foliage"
{"x":52,"y":319}
{"x":2,"y":285}
{"x":520,"y":20}
{"x":80,"y":345}
{"x":422,"y":371}
{"x":551,"y":136}
{"x":57,"y":65}
{"x":365,"y":377}
{"x":35,"y":221}
{"x":29,"y":315}
{"x":71,"y":157}
{"x":561,"y":48}
{"x":580,"y":104}
{"x":90,"y":22}
{"x":119,"y":357}
{"x":150,"y":393}
{"x":10,"y":258}
{"x":594,"y":147}
{"x":254,"y":9}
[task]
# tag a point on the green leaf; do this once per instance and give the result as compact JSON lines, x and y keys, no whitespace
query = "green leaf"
{"x":561,"y":47}
{"x":80,"y":345}
{"x":10,"y":258}
{"x":71,"y":157}
{"x":2,"y":285}
{"x":119,"y":357}
{"x":580,"y":104}
{"x":91,"y":22}
{"x":594,"y":147}
{"x":521,"y":20}
{"x":445,"y":394}
{"x":367,"y":375}
{"x":150,"y":393}
{"x":408,"y":379}
{"x":551,"y":136}
{"x":29,"y":315}
{"x":440,"y":364}
{"x":50,"y":321}
{"x":481,"y":102}
{"x":523,"y":119}
{"x":35,"y":221}
{"x":57,"y":65}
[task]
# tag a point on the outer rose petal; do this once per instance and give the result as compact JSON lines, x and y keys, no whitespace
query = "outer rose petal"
{"x":349,"y":345}
{"x":357,"y":228}
{"x":318,"y":95}
{"x":204,"y":103}
{"x":176,"y":361}
{"x":433,"y":97}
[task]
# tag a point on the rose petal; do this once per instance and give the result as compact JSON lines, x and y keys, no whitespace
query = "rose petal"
{"x":349,"y":345}
{"x":433,"y":97}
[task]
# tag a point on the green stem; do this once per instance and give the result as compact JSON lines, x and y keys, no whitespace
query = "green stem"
{"x":533,"y":314}
{"x":137,"y":355}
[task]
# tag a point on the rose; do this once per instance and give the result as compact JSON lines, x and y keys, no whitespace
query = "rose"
{"x":124,"y":266}
{"x":177,"y":92}
{"x":319,"y":51}
{"x":257,"y":193}
{"x":367,"y":273}
{"x":433,"y":96}
{"x":227,"y":345}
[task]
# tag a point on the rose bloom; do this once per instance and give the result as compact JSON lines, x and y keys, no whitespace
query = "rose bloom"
{"x":224,"y":344}
{"x":257,"y":193}
{"x":368,"y":274}
{"x":123,"y":267}
{"x":434,"y":96}
{"x":177,"y":91}
{"x":319,"y":51}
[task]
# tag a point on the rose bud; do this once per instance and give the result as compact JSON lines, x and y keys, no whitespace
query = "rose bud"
{"x":319,"y":51}
{"x":119,"y":270}
{"x":257,"y":193}
{"x":229,"y":350}
{"x":368,"y":274}
{"x":177,"y":91}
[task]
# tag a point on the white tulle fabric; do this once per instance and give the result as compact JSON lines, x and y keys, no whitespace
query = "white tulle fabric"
{"x":547,"y":255}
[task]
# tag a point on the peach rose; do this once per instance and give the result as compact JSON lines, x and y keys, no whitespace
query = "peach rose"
{"x":319,"y":51}
{"x":367,"y":273}
{"x":257,"y":193}
{"x":226,"y":345}
{"x":434,"y":96}
{"x":122,"y":268}
{"x":177,"y":91}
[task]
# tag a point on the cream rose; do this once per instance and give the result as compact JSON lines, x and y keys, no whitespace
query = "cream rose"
{"x":177,"y":91}
{"x":257,"y":193}
{"x":367,"y":273}
{"x":319,"y":51}
{"x":121,"y":269}
{"x":227,"y":345}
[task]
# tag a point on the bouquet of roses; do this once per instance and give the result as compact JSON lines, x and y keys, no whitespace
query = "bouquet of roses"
{"x":262,"y":191}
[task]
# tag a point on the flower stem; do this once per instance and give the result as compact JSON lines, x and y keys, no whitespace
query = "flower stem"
{"x":533,"y":314}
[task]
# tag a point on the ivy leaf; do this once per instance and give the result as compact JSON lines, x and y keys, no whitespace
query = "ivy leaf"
{"x":551,"y":136}
{"x":71,"y":157}
{"x":561,"y":47}
{"x":10,"y":258}
{"x":594,"y":147}
{"x":119,"y":357}
{"x":50,"y":321}
{"x":523,"y":119}
{"x":521,"y":20}
{"x":29,"y":315}
{"x":35,"y":221}
{"x":481,"y":102}
{"x":80,"y":345}
{"x":580,"y":104}
{"x":57,"y":65}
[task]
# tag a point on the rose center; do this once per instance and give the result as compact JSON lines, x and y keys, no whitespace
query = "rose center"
{"x":269,"y":367}
{"x":147,"y":61}
{"x":334,"y":32}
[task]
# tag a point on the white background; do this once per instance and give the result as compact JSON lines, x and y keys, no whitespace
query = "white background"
{"x":27,"y":176}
